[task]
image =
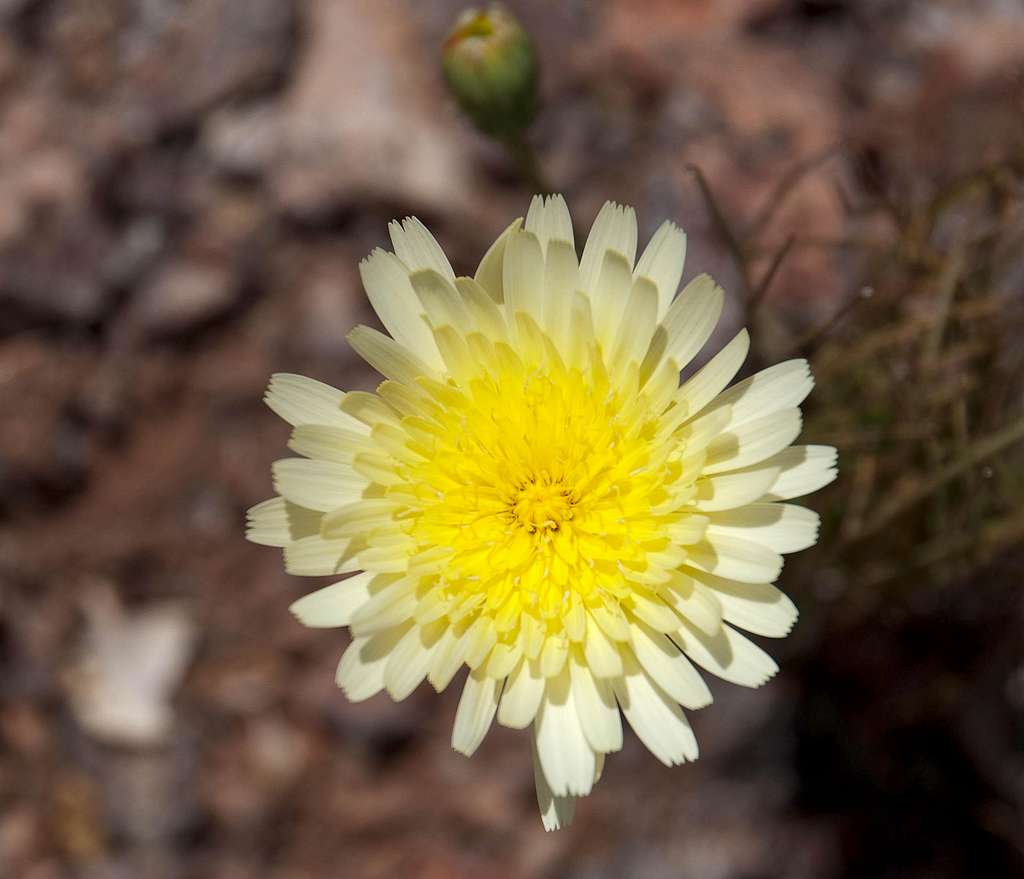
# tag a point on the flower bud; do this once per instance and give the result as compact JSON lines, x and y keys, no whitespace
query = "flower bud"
{"x":490,"y":65}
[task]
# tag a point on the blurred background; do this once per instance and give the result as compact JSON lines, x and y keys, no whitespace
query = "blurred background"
{"x":186,"y":187}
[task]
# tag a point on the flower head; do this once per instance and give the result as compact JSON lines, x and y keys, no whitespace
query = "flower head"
{"x":533,"y":494}
{"x":490,"y":65}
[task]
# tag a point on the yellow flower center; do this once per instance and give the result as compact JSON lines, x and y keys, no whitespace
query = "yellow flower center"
{"x":541,"y":491}
{"x":542,"y":503}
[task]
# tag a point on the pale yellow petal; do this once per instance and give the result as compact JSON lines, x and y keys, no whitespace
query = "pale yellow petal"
{"x":801,"y":470}
{"x":523,"y":693}
{"x":555,"y":812}
{"x":782,"y":527}
{"x":727,"y":654}
{"x":360,"y":673}
{"x":278,"y":522}
{"x":668,"y":668}
{"x":392,"y":296}
{"x":317,"y":485}
{"x":300,"y":400}
{"x":662,"y":261}
{"x":387,"y":356}
{"x":566,"y":757}
{"x":475,"y":713}
{"x":333,"y":605}
{"x":655,"y":717}
{"x":548,"y":218}
{"x":490,"y":274}
{"x":614,"y":229}
{"x":595,"y":705}
{"x":417,"y":248}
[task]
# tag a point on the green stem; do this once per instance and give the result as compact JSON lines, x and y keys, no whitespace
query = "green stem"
{"x":525,"y":157}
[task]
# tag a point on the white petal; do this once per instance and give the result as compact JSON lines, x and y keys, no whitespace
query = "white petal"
{"x":389,"y":554}
{"x":735,"y":489}
{"x":561,"y":279}
{"x":581,"y":331}
{"x":503,"y":659}
{"x":417,"y":248}
{"x":277,"y":522}
{"x":359,"y":517}
{"x":661,"y":386}
{"x":523,"y":692}
{"x":668,"y":668}
{"x":448,"y":659}
{"x":781,"y":386}
{"x":692,"y":603}
{"x":595,"y":704}
{"x":601,"y":653}
{"x":442,"y":303}
{"x":687,"y":325}
{"x":523,"y":276}
{"x":781,"y":527}
{"x":361,"y":670}
{"x":728,"y":655}
{"x":317,"y":485}
{"x":410,"y":661}
{"x":392,"y":602}
{"x":609,"y":295}
{"x":485,"y":314}
{"x":548,"y":218}
{"x":315,"y":557}
{"x":735,"y":559}
{"x":553,"y":655}
{"x":802,"y":469}
{"x":662,"y":261}
{"x":709,"y":381}
{"x":330,"y":443}
{"x":614,"y":229}
{"x":752,"y":442}
{"x":333,"y":605}
{"x":480,"y":640}
{"x":475,"y":712}
{"x":300,"y":400}
{"x":380,"y":469}
{"x":688,"y":530}
{"x":757,"y":607}
{"x":636,"y":325}
{"x":655,"y":717}
{"x":696,"y":434}
{"x":490,"y":274}
{"x":391,"y":294}
{"x":370,"y":410}
{"x":654,"y":612}
{"x":555,"y":812}
{"x":387,"y":356}
{"x":566,"y":758}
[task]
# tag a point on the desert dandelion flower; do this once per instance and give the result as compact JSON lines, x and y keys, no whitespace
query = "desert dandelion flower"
{"x":533,"y":494}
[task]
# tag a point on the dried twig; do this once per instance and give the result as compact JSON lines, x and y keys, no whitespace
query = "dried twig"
{"x":979,"y":451}
{"x":787,"y":183}
{"x":807,"y":345}
{"x":758,"y":295}
{"x":724,"y":228}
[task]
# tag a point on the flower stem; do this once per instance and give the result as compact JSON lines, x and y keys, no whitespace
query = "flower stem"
{"x":525,"y":158}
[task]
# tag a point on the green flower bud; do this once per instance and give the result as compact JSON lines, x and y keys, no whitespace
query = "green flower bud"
{"x":491,"y":67}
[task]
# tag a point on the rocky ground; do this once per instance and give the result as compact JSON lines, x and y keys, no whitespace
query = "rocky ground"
{"x":185,"y":191}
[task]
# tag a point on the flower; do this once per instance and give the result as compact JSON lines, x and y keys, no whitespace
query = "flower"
{"x":533,"y":494}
